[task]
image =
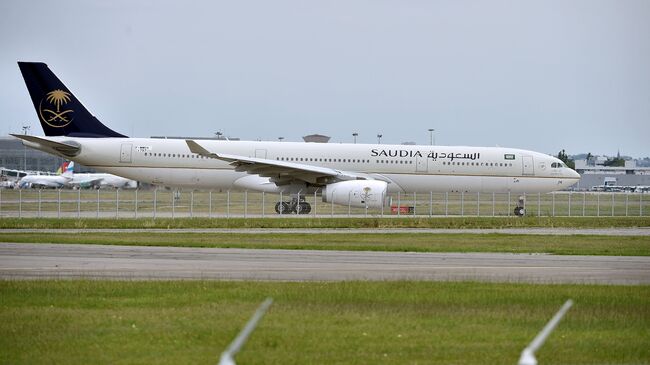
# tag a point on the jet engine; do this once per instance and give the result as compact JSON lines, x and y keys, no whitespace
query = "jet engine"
{"x":356,"y":193}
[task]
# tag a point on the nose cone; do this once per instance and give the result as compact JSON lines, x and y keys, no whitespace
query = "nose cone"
{"x":573,"y":174}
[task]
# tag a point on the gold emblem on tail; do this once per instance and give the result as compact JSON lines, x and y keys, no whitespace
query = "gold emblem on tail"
{"x":50,"y":109}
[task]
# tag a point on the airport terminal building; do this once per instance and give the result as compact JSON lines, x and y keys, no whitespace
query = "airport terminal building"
{"x":596,"y":176}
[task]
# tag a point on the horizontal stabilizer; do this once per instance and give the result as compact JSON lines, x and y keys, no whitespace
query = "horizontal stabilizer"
{"x":65,"y":148}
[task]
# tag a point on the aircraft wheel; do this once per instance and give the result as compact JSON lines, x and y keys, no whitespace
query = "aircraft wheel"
{"x":303,"y":208}
{"x":282,"y":207}
{"x":520,"y":211}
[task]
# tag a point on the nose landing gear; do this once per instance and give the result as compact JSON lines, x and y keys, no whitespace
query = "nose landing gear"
{"x":520,"y":209}
{"x":297,"y":205}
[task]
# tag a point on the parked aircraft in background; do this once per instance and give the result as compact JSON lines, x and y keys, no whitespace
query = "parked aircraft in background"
{"x":100,"y":180}
{"x":360,"y":175}
{"x":64,"y":175}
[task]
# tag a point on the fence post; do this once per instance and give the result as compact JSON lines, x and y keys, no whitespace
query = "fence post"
{"x":612,"y":204}
{"x":569,"y":203}
{"x":383,"y":201}
{"x":173,"y":203}
{"x":245,"y":203}
{"x":509,"y":199}
{"x":478,"y":203}
{"x":79,"y":203}
{"x":415,"y":202}
{"x":210,"y":204}
{"x":349,"y":201}
{"x":584,"y":202}
{"x":493,"y":204}
{"x":39,"y":203}
{"x":97,"y":214}
{"x":0,"y":200}
{"x":446,"y":203}
{"x":281,"y":207}
{"x":539,"y":204}
{"x":627,"y":199}
{"x":20,"y":203}
{"x":553,"y":202}
{"x":136,"y":203}
{"x":399,"y":203}
{"x":228,"y":204}
{"x":462,"y":203}
{"x":332,"y":204}
{"x":58,"y":205}
{"x":155,"y":201}
{"x":315,"y":197}
{"x":263,"y":201}
{"x":117,"y":203}
{"x":430,"y":204}
{"x":641,"y":205}
{"x":192,"y":203}
{"x":598,"y":204}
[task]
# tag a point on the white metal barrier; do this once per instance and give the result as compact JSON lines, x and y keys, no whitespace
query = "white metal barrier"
{"x":212,"y":204}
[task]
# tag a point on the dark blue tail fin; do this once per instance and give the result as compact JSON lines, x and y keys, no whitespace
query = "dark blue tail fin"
{"x":60,"y":113}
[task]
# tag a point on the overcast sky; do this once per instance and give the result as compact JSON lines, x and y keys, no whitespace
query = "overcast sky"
{"x":541,"y":75}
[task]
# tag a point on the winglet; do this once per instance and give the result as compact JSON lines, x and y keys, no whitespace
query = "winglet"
{"x":198,"y":149}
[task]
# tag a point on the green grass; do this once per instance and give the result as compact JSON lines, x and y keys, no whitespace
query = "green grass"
{"x":308,"y":222}
{"x":414,"y":242}
{"x":109,"y":322}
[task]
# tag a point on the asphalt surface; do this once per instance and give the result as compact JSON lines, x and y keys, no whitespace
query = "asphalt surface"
{"x":62,"y":261}
{"x":635,"y":231}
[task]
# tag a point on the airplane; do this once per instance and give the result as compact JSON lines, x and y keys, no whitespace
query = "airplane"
{"x":64,"y":175}
{"x":99,"y":180}
{"x":357,"y":175}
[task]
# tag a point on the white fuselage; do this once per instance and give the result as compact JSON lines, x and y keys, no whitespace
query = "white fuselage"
{"x":102,"y":180}
{"x":407,"y":168}
{"x":46,"y":181}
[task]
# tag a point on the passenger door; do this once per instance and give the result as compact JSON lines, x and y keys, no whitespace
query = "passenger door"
{"x":421,"y":164}
{"x":125,"y":152}
{"x":260,"y":154}
{"x":527,"y":165}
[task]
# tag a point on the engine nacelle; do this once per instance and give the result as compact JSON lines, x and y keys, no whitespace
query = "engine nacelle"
{"x":356,"y":193}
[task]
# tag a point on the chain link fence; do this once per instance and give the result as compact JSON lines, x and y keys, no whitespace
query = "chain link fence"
{"x":219,"y":204}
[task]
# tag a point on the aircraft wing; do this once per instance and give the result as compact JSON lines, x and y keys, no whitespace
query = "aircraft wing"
{"x":85,"y":182}
{"x":281,"y":171}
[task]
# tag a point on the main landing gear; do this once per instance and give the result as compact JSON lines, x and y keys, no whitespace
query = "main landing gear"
{"x":296,"y":206}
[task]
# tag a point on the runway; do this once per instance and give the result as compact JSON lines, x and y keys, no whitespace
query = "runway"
{"x":63,"y":261}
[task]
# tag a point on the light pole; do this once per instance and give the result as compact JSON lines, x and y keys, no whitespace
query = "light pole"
{"x":355,"y":134}
{"x":431,"y":130}
{"x":379,"y":138}
{"x":25,"y":129}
